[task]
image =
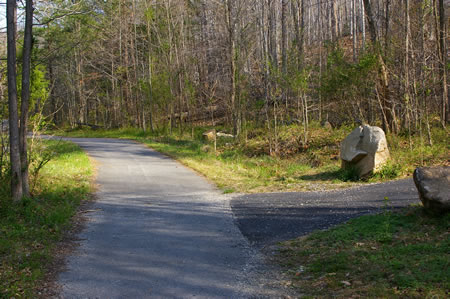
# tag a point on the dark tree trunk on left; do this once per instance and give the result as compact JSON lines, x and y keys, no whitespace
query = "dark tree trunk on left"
{"x":443,"y":68}
{"x":16,"y":177}
{"x":26,"y":71}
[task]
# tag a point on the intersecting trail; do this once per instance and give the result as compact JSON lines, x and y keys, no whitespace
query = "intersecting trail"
{"x":268,"y":218}
{"x":157,"y":230}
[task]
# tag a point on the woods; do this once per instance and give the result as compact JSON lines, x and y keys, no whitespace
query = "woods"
{"x":171,"y":66}
{"x":175,"y":64}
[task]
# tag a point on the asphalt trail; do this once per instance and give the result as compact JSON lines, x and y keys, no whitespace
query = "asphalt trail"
{"x":158,"y":230}
{"x":267,"y":218}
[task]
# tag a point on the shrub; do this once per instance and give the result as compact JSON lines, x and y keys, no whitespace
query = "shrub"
{"x":388,"y":171}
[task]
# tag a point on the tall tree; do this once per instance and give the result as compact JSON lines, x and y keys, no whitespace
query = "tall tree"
{"x":386,"y":111}
{"x":25,"y":96}
{"x":443,"y":68}
{"x":16,"y":176}
{"x":284,"y":35}
{"x":231,"y":30}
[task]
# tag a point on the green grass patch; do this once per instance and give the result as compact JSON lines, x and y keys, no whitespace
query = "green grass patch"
{"x":245,"y":165}
{"x":30,"y":229}
{"x":406,"y":157}
{"x":405,"y":254}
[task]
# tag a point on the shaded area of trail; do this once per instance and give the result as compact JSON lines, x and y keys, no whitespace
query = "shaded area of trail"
{"x":158,"y":230}
{"x":267,"y":218}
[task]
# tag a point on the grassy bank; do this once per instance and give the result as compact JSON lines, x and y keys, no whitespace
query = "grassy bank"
{"x":402,"y":255}
{"x":245,"y":165}
{"x":30,"y":230}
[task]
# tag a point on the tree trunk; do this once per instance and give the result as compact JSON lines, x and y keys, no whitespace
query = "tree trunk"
{"x":302,"y":31}
{"x":231,"y":54}
{"x":363,"y":25}
{"x":386,"y":25}
{"x":16,"y":175}
{"x":26,"y":71}
{"x":353,"y":29}
{"x":384,"y":76}
{"x":299,"y":26}
{"x":284,"y":36}
{"x":370,"y":21}
{"x":407,"y":94}
{"x":443,"y":68}
{"x":284,"y":6}
{"x":334,"y":26}
{"x":273,"y":51}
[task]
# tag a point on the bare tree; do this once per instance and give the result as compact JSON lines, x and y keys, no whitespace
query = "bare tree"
{"x":231,"y":30}
{"x":26,"y":71}
{"x":16,"y":175}
{"x":443,"y":68}
{"x":284,"y":36}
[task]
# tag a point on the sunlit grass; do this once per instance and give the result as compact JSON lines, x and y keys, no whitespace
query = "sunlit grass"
{"x":30,"y":230}
{"x":245,"y":165}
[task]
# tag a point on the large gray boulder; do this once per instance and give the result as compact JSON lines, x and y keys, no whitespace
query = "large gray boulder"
{"x":366,"y":149}
{"x":433,"y":184}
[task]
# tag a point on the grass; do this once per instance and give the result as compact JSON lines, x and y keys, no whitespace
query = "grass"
{"x":31,"y":229}
{"x":235,"y":167}
{"x":389,"y":255}
{"x":419,"y":153}
{"x":246,"y":166}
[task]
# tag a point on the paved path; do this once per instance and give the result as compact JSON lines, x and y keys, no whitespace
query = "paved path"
{"x":270,"y":217}
{"x":158,"y":230}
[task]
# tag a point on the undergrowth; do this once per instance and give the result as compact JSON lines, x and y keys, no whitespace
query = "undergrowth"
{"x":31,"y":228}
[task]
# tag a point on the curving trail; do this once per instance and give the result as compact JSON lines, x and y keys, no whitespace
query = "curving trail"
{"x":158,"y":230}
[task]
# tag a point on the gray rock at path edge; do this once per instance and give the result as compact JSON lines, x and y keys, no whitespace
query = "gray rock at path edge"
{"x":433,"y":184}
{"x":366,"y":149}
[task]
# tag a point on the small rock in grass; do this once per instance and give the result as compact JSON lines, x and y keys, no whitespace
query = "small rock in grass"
{"x":209,"y":135}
